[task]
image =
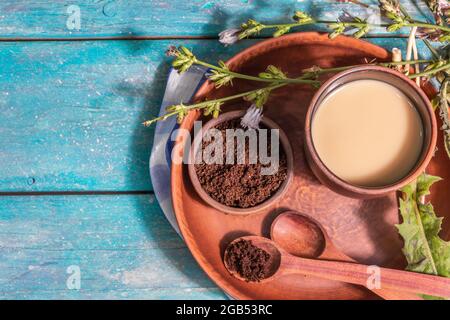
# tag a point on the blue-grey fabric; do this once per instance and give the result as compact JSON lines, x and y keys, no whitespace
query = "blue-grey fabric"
{"x":180,"y":88}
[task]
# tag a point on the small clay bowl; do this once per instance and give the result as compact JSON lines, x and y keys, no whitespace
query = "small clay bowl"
{"x":411,"y":90}
{"x":284,"y":142}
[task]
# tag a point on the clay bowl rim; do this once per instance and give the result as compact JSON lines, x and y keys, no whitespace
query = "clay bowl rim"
{"x":361,"y":191}
{"x":266,"y":203}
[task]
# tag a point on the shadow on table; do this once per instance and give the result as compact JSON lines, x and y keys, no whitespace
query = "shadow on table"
{"x":157,"y":227}
{"x":221,"y":19}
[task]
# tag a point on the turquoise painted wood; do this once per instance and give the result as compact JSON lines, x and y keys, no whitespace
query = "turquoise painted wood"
{"x":156,"y":18}
{"x":123,"y":246}
{"x":71,"y":112}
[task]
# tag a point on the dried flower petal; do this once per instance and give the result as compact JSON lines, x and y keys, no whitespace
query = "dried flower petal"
{"x":439,"y":9}
{"x":431,"y":34}
{"x":172,"y":51}
{"x":229,"y":36}
{"x":252,"y":117}
{"x":390,"y":6}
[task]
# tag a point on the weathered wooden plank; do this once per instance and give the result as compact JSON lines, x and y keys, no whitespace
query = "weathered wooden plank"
{"x":122,"y":245}
{"x":112,"y":18}
{"x":71,"y":112}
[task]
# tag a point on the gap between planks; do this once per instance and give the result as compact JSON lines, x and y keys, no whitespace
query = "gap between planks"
{"x":75,"y":193}
{"x":150,"y":38}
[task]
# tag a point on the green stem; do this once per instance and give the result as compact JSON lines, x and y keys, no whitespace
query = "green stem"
{"x":163,"y":117}
{"x":411,"y":23}
{"x":313,"y":21}
{"x":253,"y":78}
{"x":426,"y":25}
{"x":431,"y":71}
{"x":201,"y":105}
{"x":402,"y":63}
{"x":290,"y":25}
{"x":277,"y":83}
{"x":384,"y":64}
{"x":300,"y":79}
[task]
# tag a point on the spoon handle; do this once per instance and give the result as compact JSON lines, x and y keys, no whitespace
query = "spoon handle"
{"x":363,"y":275}
{"x":390,"y":294}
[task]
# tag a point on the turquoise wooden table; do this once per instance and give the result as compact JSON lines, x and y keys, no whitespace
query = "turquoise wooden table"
{"x":78,"y":218}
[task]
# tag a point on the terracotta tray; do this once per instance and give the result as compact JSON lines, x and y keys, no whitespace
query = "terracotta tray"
{"x":363,"y":229}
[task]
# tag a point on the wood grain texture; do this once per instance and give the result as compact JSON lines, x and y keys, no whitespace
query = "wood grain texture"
{"x":71,"y":112}
{"x":123,"y":245}
{"x":118,"y":18}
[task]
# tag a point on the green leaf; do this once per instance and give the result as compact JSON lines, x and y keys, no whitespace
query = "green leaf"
{"x":180,"y":110}
{"x":258,"y":97}
{"x":443,"y":113}
{"x":445,"y":37}
{"x":361,"y":32}
{"x":424,"y":183}
{"x":220,"y":78}
{"x":213,"y":109}
{"x":272,"y":72}
{"x":249,"y":28}
{"x":337,"y":27}
{"x":394,"y":27}
{"x":302,"y":17}
{"x":281,"y":30}
{"x":184,"y":59}
{"x":424,"y":250}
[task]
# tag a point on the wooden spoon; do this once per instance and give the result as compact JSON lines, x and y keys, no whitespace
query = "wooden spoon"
{"x":304,"y":237}
{"x":282,"y":263}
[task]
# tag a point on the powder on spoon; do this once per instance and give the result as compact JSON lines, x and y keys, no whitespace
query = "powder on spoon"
{"x":248,"y":261}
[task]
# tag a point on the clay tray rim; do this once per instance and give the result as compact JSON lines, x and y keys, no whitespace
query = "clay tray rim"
{"x":239,"y":59}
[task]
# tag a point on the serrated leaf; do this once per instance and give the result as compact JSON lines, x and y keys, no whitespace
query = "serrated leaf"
{"x":443,"y":113}
{"x":424,"y":250}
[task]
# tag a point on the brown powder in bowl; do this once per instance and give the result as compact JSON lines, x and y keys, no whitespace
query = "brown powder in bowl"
{"x":240,"y":185}
{"x":247,"y":260}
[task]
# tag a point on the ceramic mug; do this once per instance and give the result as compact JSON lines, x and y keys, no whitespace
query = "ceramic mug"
{"x":406,"y":86}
